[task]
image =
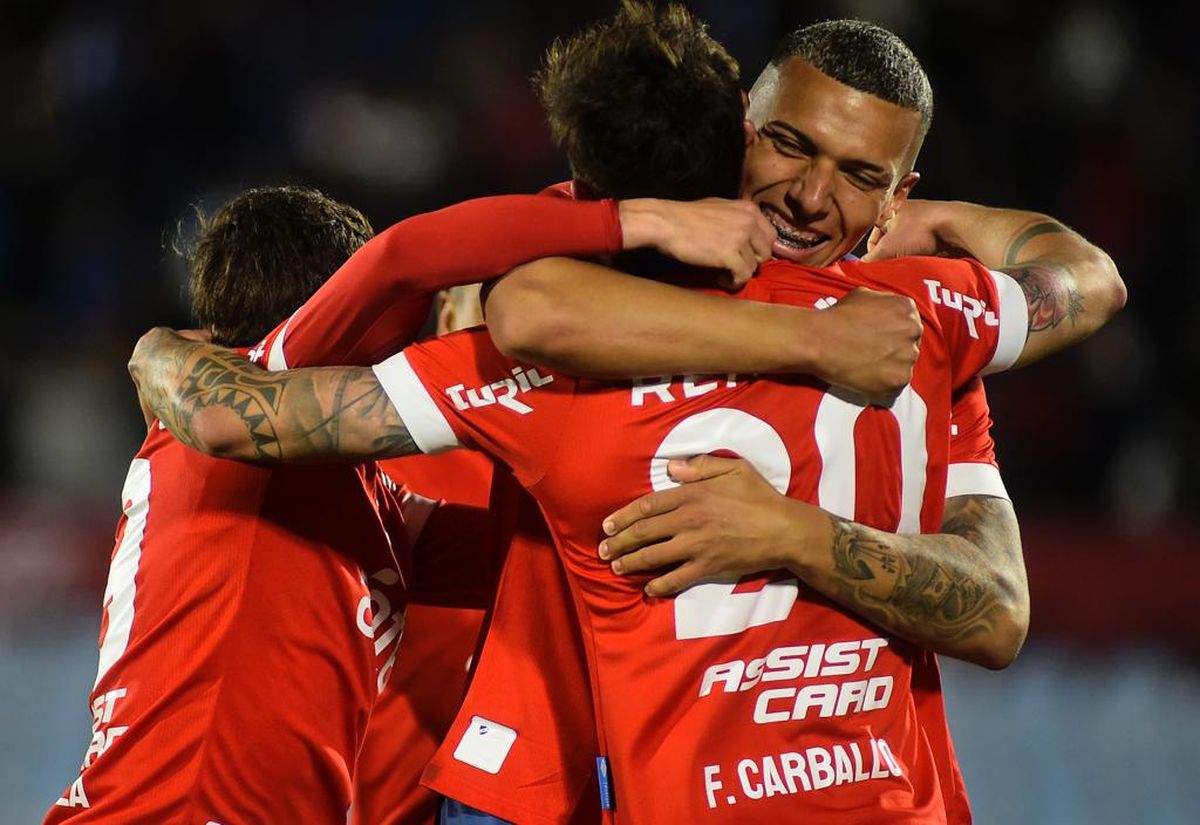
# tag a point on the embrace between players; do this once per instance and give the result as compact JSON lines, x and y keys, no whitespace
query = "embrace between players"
{"x":754,"y":637}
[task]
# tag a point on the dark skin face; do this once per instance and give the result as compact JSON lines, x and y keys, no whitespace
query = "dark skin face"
{"x":825,"y":162}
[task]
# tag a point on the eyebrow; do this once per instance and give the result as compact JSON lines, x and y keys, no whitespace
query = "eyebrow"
{"x":810,"y":146}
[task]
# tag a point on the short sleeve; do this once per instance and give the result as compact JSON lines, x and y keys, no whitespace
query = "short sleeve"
{"x":460,"y":391}
{"x":982,"y":315}
{"x":972,"y":467}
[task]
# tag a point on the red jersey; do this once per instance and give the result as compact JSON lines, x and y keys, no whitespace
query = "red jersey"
{"x":838,"y":730}
{"x":445,"y":501}
{"x":242,"y":643}
{"x":532,"y":674}
{"x":531,"y":678}
{"x":374,"y":305}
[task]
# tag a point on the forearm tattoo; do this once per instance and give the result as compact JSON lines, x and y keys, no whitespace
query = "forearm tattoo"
{"x":307,"y":414}
{"x":1049,"y":287}
{"x":919,"y":586}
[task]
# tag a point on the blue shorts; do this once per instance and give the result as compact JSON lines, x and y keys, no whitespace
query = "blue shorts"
{"x":456,"y":813}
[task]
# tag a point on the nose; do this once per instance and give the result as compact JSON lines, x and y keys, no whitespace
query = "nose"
{"x":811,"y":188}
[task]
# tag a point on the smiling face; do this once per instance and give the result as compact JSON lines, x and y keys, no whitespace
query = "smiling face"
{"x":825,"y":162}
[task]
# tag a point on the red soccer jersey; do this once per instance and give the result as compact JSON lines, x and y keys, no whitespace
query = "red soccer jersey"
{"x":241,"y":644}
{"x":452,"y":581}
{"x":685,"y":691}
{"x":374,"y":305}
{"x":531,"y":676}
{"x":531,"y":679}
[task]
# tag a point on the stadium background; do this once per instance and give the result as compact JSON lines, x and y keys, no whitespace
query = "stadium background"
{"x":117,"y":116}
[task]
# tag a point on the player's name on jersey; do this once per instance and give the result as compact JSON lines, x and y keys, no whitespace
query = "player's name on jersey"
{"x":799,"y":665}
{"x":668,"y":388}
{"x":802,"y":771}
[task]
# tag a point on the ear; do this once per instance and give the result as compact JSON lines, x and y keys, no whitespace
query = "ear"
{"x":899,"y":196}
{"x":445,"y":321}
{"x":748,"y":130}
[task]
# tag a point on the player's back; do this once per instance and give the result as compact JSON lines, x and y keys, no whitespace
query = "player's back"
{"x":240,"y":643}
{"x":751,"y":699}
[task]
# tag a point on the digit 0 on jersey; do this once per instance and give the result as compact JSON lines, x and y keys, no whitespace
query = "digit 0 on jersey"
{"x":755,"y":698}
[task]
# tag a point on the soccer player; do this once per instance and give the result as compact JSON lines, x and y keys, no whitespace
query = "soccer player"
{"x":851,"y":70}
{"x":237,"y":664}
{"x":840,"y":728}
{"x":529,"y":378}
{"x":197,"y":706}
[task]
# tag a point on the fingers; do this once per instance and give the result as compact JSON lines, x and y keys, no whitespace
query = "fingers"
{"x":762,"y":236}
{"x":701,"y":467}
{"x":638,"y":535}
{"x":681,"y":578}
{"x":204,"y":336}
{"x":649,"y":505}
{"x":876,"y":236}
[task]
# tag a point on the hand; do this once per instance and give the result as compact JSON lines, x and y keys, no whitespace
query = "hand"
{"x":918,"y":228}
{"x":724,"y":521}
{"x":732,"y":235}
{"x":869,"y":343}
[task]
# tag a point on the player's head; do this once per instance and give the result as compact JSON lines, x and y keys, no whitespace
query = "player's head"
{"x":262,"y":254}
{"x":839,"y":116}
{"x":646,"y":104}
{"x":459,"y":307}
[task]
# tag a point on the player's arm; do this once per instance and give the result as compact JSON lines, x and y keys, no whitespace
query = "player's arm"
{"x":583,"y":319}
{"x":217,"y":402}
{"x":377,"y":302}
{"x":1071,"y":286}
{"x":961,"y":592}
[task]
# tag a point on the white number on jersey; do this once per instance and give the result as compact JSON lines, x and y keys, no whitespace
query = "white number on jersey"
{"x":713,"y":608}
{"x":121,"y":589}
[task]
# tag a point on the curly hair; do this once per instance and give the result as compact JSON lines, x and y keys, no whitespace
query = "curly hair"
{"x":262,"y":254}
{"x":646,"y":104}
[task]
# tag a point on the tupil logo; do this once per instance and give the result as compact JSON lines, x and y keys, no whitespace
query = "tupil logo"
{"x":971,"y":308}
{"x":503,"y":392}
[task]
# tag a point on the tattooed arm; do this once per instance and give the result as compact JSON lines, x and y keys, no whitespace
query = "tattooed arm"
{"x":1071,"y":286}
{"x":961,"y":592}
{"x":212,"y":399}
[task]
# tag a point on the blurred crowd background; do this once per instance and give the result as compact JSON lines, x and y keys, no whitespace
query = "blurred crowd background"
{"x":118,"y":117}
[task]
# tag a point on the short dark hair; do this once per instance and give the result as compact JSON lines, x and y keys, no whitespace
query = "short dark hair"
{"x":866,"y":57}
{"x":262,"y":254}
{"x":646,"y":104}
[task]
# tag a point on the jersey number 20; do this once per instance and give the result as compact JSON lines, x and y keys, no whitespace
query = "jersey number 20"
{"x":713,"y":608}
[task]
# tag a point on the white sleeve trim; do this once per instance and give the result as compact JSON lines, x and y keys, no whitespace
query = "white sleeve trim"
{"x":276,"y":360}
{"x":430,"y":430}
{"x":975,"y":479}
{"x":1014,"y":323}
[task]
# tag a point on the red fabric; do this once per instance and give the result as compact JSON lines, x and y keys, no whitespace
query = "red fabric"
{"x":374,"y":305}
{"x":681,"y":691}
{"x":238,"y":661}
{"x":380,"y":298}
{"x":453,"y":579}
{"x":531,"y":677}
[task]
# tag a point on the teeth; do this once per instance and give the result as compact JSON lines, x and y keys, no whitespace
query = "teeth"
{"x":789,"y":236}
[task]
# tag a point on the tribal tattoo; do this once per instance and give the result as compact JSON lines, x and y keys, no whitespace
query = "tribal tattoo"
{"x":209,"y":396}
{"x":914,"y":587}
{"x":1049,"y":286}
